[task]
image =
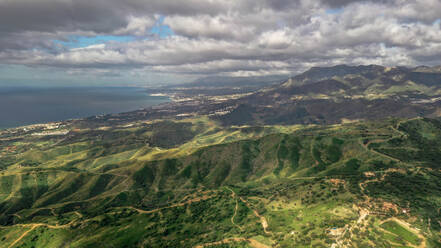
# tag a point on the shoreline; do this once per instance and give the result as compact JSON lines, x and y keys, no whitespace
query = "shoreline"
{"x":150,"y":100}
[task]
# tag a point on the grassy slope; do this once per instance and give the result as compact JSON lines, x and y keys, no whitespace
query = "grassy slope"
{"x":293,"y":185}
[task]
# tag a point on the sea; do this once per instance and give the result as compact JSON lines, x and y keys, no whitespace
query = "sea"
{"x":24,"y":105}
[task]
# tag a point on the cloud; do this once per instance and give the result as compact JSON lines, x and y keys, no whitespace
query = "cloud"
{"x":223,"y":37}
{"x":224,"y":66}
{"x":342,"y":3}
{"x":218,"y":27}
{"x":137,"y":26}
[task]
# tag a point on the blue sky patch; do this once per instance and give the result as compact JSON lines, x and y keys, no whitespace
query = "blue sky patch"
{"x":334,"y":11}
{"x":83,"y":41}
{"x":160,"y":29}
{"x":74,"y":41}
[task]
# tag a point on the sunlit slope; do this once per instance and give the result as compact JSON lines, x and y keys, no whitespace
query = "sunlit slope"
{"x":191,"y":183}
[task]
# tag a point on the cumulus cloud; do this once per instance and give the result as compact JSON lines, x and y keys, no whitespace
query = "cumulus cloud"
{"x":222,"y":37}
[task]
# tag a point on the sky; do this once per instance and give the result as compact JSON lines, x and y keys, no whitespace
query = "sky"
{"x":156,"y":42}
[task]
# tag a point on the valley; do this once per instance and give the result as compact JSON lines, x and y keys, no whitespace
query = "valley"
{"x":211,"y":186}
{"x":257,"y":170}
{"x":220,"y":124}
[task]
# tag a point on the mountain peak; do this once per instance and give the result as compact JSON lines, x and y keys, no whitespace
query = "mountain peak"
{"x":321,"y":73}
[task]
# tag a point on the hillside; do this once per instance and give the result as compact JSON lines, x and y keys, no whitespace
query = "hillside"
{"x":343,"y":93}
{"x":322,"y":95}
{"x":196,"y":183}
{"x":220,"y":124}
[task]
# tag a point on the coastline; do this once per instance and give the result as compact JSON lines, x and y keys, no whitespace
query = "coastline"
{"x":103,"y":101}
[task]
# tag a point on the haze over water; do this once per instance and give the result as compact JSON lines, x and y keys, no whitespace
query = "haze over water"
{"x":24,"y":106}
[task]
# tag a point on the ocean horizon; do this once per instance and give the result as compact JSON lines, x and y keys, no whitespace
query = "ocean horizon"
{"x":20,"y":106}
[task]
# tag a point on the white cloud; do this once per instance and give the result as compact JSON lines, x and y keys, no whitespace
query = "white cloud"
{"x":137,"y":26}
{"x":230,"y":37}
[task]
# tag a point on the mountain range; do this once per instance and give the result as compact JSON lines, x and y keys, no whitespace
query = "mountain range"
{"x":344,"y":93}
{"x":346,"y":156}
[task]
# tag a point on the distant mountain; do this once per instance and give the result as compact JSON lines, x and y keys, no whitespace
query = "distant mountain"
{"x":220,"y":82}
{"x":170,"y":176}
{"x":321,"y":73}
{"x":220,"y":86}
{"x":326,"y":95}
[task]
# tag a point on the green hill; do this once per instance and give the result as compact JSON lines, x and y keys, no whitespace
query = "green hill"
{"x":194,"y":183}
